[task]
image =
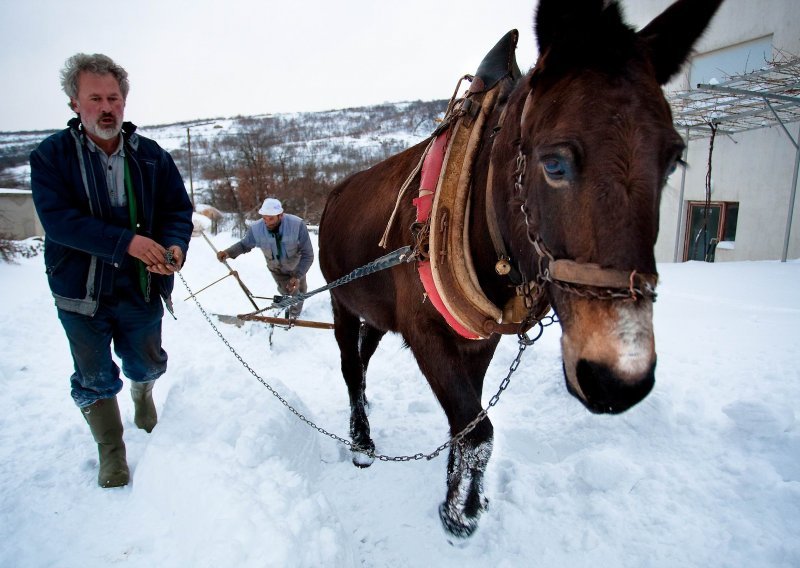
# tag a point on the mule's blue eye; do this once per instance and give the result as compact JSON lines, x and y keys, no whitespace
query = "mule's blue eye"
{"x":558,"y":163}
{"x":554,"y":168}
{"x":672,"y":167}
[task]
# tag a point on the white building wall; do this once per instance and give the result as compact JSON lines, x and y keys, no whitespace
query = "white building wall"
{"x":753,"y":168}
{"x":18,"y":218}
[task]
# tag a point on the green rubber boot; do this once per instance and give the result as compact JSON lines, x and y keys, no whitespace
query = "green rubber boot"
{"x":145,"y":416}
{"x":106,"y":426}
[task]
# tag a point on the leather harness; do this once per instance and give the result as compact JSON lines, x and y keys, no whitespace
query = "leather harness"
{"x":445,"y":264}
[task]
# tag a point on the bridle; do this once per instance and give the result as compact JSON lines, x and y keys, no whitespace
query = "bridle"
{"x":585,"y":279}
{"x":447,"y":272}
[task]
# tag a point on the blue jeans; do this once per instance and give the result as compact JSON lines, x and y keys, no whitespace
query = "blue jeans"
{"x":135,"y":328}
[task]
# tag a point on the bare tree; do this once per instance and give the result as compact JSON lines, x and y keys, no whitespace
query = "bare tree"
{"x":299,"y":158}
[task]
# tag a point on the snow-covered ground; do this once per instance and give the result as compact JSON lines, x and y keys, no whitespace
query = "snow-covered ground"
{"x":705,"y":472}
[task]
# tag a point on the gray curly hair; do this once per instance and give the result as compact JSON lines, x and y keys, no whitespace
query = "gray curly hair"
{"x":95,"y":63}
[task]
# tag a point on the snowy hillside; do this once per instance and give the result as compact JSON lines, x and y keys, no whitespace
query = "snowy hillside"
{"x":336,"y":142}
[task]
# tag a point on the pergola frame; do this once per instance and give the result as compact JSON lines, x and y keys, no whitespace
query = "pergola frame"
{"x":759,"y":99}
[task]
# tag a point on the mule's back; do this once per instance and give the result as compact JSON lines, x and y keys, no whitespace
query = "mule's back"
{"x":355,"y":218}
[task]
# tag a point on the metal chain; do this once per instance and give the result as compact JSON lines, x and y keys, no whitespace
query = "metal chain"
{"x":256,"y":375}
{"x":632,"y":293}
{"x":524,"y":343}
{"x":402,"y":255}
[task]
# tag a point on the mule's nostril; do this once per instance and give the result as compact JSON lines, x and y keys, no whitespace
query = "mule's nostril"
{"x":606,"y":393}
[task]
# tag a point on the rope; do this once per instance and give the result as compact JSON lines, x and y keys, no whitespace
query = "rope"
{"x":446,"y":122}
{"x":400,"y":195}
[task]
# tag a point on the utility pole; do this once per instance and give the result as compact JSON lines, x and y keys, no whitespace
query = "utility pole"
{"x":189,"y":147}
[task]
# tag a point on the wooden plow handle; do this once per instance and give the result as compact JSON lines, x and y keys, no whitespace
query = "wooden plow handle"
{"x":283,"y":321}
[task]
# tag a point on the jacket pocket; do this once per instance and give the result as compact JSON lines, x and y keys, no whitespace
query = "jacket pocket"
{"x":67,"y":271}
{"x":291,"y":249}
{"x":56,"y":259}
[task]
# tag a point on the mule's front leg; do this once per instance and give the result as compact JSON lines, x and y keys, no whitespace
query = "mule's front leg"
{"x":455,"y":371}
{"x":465,"y":501}
{"x":346,"y":330}
{"x":363,"y":447}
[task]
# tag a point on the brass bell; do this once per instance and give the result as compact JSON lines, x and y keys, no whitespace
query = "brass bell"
{"x":502,"y":267}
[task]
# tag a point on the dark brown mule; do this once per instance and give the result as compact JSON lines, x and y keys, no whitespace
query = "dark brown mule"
{"x":585,"y":145}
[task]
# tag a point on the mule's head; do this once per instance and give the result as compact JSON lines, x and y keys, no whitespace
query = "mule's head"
{"x":597,"y":142}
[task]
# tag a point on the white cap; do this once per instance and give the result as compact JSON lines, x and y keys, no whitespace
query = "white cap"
{"x":271,"y":207}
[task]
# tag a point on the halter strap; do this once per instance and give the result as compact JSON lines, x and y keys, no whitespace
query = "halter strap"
{"x":588,"y":278}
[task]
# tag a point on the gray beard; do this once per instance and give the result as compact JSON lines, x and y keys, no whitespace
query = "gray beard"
{"x":103,"y":133}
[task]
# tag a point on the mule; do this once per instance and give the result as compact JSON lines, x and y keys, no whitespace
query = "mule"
{"x":576,"y":156}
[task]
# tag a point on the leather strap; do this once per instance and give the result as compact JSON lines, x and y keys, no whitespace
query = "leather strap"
{"x":451,"y":260}
{"x":590,"y":274}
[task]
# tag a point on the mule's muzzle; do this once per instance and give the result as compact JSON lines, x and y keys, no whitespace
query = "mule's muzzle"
{"x":602,"y":392}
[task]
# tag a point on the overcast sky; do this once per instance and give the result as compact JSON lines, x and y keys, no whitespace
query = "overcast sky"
{"x":208,"y":58}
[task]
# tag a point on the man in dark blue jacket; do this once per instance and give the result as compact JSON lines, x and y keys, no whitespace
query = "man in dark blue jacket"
{"x":117,"y":224}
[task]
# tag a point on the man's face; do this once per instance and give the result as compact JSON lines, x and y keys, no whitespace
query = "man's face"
{"x":100,"y":104}
{"x":272,"y":221}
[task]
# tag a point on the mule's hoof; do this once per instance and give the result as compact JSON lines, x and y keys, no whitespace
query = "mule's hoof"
{"x":456,"y":523}
{"x":360,"y":459}
{"x":363,"y":453}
